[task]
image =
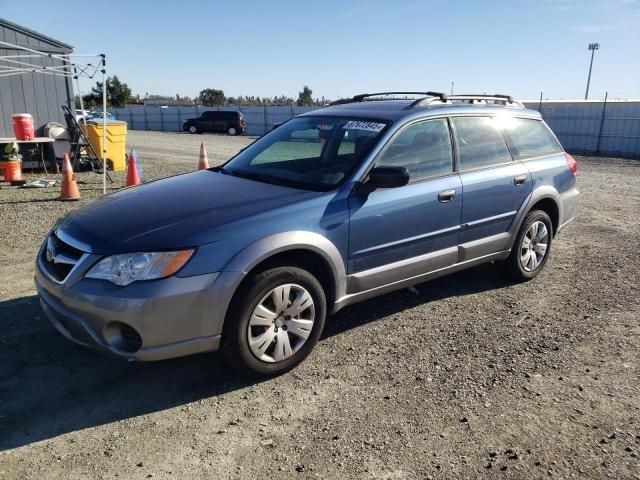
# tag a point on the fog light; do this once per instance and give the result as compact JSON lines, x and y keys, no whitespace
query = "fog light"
{"x":123,"y":337}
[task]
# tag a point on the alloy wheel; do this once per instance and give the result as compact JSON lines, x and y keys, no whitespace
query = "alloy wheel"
{"x":534,"y":246}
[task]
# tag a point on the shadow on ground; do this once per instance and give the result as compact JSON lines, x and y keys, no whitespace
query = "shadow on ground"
{"x":49,"y":386}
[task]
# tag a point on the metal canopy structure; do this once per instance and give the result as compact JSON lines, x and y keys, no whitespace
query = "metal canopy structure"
{"x":73,"y":66}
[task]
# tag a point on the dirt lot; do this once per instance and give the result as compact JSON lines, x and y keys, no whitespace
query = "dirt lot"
{"x":469,"y":377}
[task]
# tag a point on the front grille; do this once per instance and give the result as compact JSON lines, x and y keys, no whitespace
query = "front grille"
{"x":59,"y":257}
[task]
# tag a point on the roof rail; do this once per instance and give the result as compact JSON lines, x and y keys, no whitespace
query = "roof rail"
{"x":496,"y":98}
{"x":363,"y":96}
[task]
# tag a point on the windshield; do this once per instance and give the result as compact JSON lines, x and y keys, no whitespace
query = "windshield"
{"x":312,"y":153}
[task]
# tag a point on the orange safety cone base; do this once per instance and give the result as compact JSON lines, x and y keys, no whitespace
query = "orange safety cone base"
{"x":132,"y":172}
{"x":69,"y":189}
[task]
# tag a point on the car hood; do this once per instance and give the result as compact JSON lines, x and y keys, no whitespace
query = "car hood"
{"x":177,"y":212}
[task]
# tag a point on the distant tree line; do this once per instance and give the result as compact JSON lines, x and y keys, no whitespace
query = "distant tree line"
{"x":119,"y":94}
{"x":211,"y":97}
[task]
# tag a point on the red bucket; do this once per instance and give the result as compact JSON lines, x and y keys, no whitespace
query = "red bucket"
{"x":23,"y":126}
{"x":12,"y":171}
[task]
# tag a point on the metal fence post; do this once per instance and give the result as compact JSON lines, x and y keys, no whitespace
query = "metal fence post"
{"x":540,"y":104}
{"x":604,"y":107}
{"x":264,"y":119}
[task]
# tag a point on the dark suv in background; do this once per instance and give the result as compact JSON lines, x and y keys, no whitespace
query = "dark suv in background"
{"x":231,"y":122}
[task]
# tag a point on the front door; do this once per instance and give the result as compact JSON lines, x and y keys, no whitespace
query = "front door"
{"x":398,"y":233}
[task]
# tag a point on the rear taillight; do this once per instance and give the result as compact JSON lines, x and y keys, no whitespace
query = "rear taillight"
{"x":573,"y":165}
{"x":242,"y":122}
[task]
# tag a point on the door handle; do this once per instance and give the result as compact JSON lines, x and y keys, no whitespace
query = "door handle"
{"x":520,"y":180}
{"x":446,"y":196}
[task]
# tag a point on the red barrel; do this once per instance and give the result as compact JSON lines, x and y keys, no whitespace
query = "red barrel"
{"x":23,"y":126}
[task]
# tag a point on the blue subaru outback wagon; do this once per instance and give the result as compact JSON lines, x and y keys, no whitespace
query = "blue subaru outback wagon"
{"x":344,"y":203}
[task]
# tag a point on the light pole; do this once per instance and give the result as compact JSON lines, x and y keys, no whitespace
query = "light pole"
{"x":593,"y":47}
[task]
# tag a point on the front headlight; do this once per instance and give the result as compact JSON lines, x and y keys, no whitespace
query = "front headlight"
{"x":130,"y":267}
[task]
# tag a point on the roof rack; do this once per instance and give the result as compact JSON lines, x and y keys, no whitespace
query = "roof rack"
{"x":433,"y":97}
{"x":495,"y":98}
{"x":363,"y":96}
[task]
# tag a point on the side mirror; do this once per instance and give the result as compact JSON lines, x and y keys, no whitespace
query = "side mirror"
{"x":388,"y":177}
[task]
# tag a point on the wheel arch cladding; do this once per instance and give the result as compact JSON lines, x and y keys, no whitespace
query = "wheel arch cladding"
{"x":308,"y":260}
{"x":550,"y":207}
{"x":307,"y":250}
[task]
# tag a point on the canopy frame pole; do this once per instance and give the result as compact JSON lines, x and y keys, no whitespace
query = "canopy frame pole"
{"x":104,"y":123}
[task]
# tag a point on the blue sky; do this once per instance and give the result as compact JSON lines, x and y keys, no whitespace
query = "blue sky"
{"x":340,"y":48}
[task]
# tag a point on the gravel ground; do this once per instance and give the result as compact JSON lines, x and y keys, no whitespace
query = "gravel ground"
{"x":470,"y":376}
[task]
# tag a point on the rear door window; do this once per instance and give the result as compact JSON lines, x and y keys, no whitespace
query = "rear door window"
{"x":530,"y":137}
{"x":479,"y":142}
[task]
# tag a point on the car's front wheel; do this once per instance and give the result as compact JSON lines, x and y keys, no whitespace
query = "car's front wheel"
{"x":274,"y":321}
{"x":193,"y":129}
{"x":532,"y":247}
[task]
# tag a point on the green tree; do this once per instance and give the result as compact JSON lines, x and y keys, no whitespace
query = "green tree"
{"x":211,"y":97}
{"x":305,"y":97}
{"x":118,"y":94}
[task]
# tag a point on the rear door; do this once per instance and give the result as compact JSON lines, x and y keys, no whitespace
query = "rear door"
{"x":494,"y":186}
{"x":223,"y":121}
{"x":206,"y":122}
{"x":397,"y":233}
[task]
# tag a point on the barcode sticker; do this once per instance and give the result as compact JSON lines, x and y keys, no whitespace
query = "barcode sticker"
{"x":359,"y":125}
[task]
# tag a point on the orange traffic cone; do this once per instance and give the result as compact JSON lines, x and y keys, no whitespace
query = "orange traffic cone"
{"x":204,"y":161}
{"x":69,"y":190}
{"x":132,"y":172}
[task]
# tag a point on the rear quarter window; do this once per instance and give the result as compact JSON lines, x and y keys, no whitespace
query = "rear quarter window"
{"x":530,"y":138}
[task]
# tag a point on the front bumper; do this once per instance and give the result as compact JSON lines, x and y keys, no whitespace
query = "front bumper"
{"x":147,"y":320}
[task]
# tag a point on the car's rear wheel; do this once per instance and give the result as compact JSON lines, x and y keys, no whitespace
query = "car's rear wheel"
{"x":274,"y":321}
{"x":232,"y":131}
{"x":532,"y":247}
{"x":193,"y":129}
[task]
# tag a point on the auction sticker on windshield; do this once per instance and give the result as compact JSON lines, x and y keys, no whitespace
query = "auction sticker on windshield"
{"x":359,"y":125}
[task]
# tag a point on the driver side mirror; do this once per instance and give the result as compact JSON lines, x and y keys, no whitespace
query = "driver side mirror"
{"x":388,"y":177}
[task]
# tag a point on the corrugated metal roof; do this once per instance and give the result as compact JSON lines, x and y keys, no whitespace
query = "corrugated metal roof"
{"x":33,"y":33}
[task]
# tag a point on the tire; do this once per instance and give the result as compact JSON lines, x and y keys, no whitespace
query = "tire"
{"x":193,"y":129}
{"x":233,"y":131}
{"x":531,"y":238}
{"x":256,"y":330}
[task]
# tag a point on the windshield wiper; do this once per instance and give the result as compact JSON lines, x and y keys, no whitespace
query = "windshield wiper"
{"x":249,"y":175}
{"x":258,"y":177}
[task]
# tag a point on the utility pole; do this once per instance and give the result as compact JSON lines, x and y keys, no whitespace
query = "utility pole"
{"x":593,"y":47}
{"x":452,"y":83}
